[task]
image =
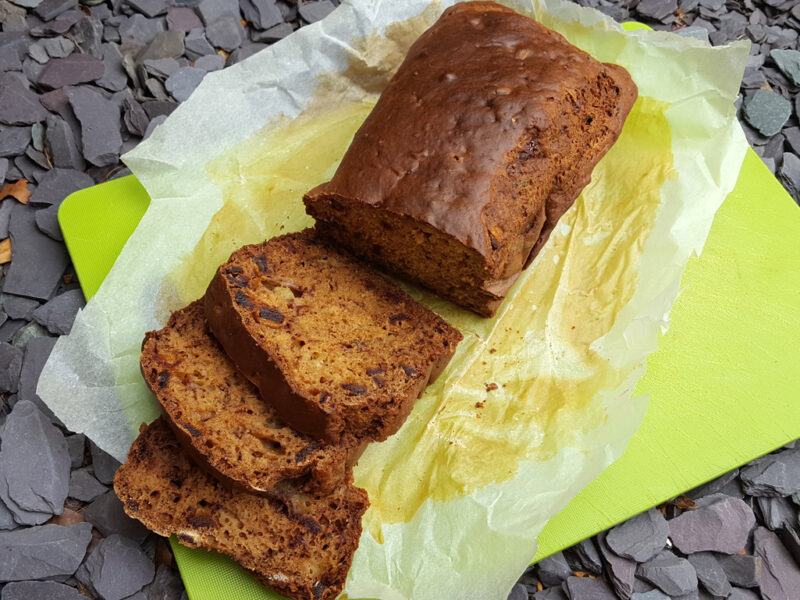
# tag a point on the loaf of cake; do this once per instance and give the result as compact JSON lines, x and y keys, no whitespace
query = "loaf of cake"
{"x":484,"y":137}
{"x":335,"y":348}
{"x":219,"y":417}
{"x":301,"y":547}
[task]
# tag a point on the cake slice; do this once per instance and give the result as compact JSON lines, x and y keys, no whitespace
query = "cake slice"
{"x":219,"y":417}
{"x":301,"y":548}
{"x":484,"y":137}
{"x":335,"y":348}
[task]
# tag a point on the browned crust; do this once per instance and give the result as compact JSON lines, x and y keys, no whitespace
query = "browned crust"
{"x":305,"y":414}
{"x":156,"y":467}
{"x":323,"y":470}
{"x":435,"y":157}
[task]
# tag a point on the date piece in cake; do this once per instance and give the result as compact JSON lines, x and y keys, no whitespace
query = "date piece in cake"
{"x":222,"y":421}
{"x":484,"y":137}
{"x":334,"y":347}
{"x":301,"y":548}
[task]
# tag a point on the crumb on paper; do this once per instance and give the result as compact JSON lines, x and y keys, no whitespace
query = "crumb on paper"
{"x":490,"y":387}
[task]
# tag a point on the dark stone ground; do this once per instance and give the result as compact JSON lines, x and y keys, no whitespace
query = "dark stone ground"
{"x":81,"y":83}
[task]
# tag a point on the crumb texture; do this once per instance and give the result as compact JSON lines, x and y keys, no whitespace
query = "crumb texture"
{"x":221,"y":419}
{"x":337,"y":349}
{"x":301,"y":547}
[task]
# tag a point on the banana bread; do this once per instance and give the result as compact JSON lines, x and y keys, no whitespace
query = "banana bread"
{"x":219,"y":417}
{"x":484,"y":137}
{"x":334,"y":347}
{"x":301,"y":548}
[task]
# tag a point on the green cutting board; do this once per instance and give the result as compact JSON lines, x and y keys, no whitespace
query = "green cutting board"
{"x":724,"y":384}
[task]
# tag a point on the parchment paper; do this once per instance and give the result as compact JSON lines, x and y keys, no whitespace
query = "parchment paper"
{"x":538,"y":401}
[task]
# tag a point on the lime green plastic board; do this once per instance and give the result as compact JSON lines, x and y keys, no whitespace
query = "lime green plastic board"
{"x":724,"y":384}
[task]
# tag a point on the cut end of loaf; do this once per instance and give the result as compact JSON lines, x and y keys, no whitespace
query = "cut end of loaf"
{"x":219,"y":417}
{"x":301,"y":547}
{"x":333,"y":346}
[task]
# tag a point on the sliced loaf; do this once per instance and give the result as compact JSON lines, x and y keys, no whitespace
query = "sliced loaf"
{"x":219,"y":417}
{"x":301,"y":548}
{"x":334,"y":347}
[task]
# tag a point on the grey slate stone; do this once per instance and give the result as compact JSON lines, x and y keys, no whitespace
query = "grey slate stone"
{"x":58,"y":184}
{"x":21,"y":339}
{"x":37,"y":350}
{"x":37,"y":136}
{"x":196,"y":44}
{"x":212,"y":62}
{"x":262,"y":13}
{"x":654,"y":594}
{"x":743,"y":570}
{"x":183,"y":18}
{"x":518,"y":592}
{"x":134,"y":117}
{"x":546,"y":594}
{"x":165,"y":44}
{"x":722,"y":525}
{"x":84,"y":487}
{"x":657,"y":9}
{"x":18,"y":307}
{"x":99,"y":118}
{"x":742,"y":594}
{"x":710,"y":573}
{"x":40,"y":590}
{"x":37,"y":261}
{"x":621,"y":571}
{"x":10,"y":367}
{"x":47,"y":222}
{"x":244,"y":52}
{"x":63,"y":146}
{"x":114,"y":77}
{"x":641,"y":537}
{"x":7,"y":522}
{"x":4,"y":216}
{"x":792,"y":135}
{"x":71,"y":70}
{"x":108,"y":516}
{"x":58,"y":314}
{"x":57,"y":47}
{"x":780,"y":577}
{"x":183,"y":82}
{"x":14,"y":140}
{"x":9,"y":329}
{"x":28,"y":3}
{"x":35,"y":465}
{"x":105,"y":465}
{"x":767,"y":111}
{"x":314,"y":10}
{"x":554,"y":569}
{"x":9,"y":59}
{"x":139,"y":29}
{"x":672,"y":575}
{"x":38,"y":53}
{"x":587,"y":588}
{"x":6,"y":206}
{"x":789,"y":174}
{"x":211,"y":10}
{"x":149,"y":8}
{"x":154,"y":122}
{"x":118,"y":568}
{"x":777,"y":511}
{"x":50,"y":9}
{"x":584,"y":556}
{"x":773,"y":475}
{"x":226,"y":33}
{"x":168,"y":586}
{"x":42,"y":552}
{"x":161,"y":67}
{"x":76,"y":443}
{"x":273,"y":34}
{"x":18,"y":104}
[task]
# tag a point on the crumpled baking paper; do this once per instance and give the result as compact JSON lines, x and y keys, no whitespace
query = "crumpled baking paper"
{"x":538,"y":400}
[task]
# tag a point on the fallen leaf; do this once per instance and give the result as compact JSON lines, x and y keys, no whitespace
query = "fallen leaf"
{"x":17,"y":190}
{"x":5,"y":251}
{"x":683,"y":502}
